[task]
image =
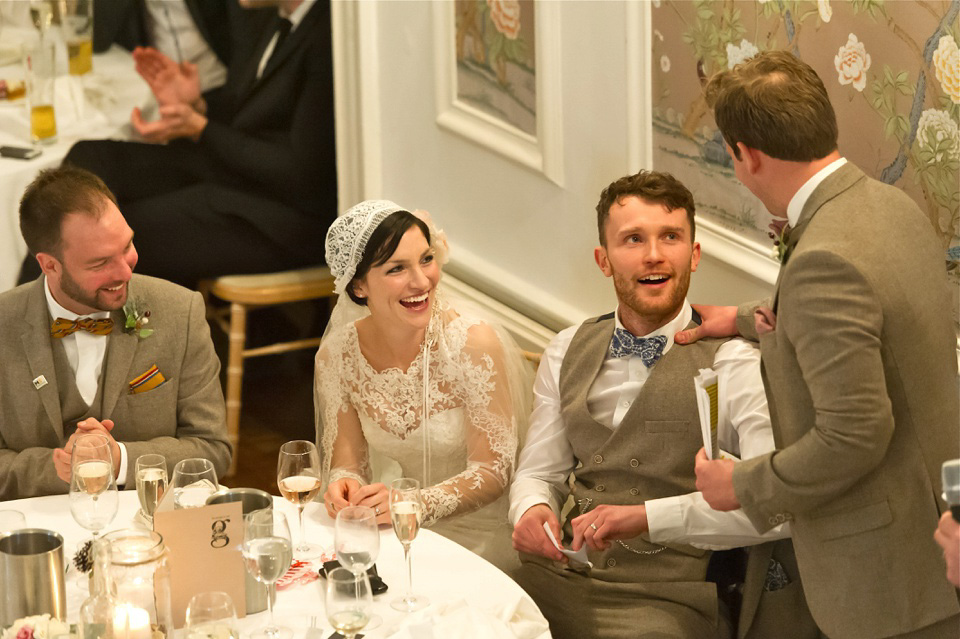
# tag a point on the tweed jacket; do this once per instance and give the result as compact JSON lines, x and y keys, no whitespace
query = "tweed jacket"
{"x":183,"y":417}
{"x":861,"y":377}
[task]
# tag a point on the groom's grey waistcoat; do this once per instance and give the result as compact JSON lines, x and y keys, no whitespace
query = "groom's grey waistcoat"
{"x":648,"y":456}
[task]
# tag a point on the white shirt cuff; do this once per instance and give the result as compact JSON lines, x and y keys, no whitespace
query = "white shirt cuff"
{"x":524,"y":503}
{"x":122,"y":475}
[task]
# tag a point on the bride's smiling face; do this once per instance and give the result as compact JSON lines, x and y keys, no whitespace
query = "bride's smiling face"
{"x":402,"y":288}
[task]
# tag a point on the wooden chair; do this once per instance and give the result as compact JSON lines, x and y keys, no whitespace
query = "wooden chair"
{"x":245,"y":293}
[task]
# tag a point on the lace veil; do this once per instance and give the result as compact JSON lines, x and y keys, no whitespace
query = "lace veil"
{"x":465,"y":362}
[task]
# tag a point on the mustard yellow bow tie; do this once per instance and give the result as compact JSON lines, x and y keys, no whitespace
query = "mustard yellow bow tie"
{"x":63,"y":327}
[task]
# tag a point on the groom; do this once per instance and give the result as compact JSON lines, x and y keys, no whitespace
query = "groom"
{"x":89,"y":347}
{"x":615,"y":410}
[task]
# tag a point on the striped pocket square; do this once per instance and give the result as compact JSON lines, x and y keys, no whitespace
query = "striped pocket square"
{"x":146,"y":381}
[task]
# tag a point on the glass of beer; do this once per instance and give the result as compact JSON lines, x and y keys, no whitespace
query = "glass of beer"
{"x":76,"y":24}
{"x":151,"y":477}
{"x":40,"y":72}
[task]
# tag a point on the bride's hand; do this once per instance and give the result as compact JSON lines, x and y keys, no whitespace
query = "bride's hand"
{"x":338,"y":495}
{"x":375,"y":496}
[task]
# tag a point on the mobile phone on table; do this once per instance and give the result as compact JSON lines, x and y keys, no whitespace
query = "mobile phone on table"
{"x":19,"y":152}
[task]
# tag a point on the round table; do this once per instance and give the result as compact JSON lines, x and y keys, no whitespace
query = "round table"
{"x":444,"y":571}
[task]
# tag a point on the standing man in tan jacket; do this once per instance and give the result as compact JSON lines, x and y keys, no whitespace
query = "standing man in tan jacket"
{"x":859,"y":365}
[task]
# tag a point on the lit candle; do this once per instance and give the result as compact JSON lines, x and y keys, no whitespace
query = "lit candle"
{"x":130,"y":622}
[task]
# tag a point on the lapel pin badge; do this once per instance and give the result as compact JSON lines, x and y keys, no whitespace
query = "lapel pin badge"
{"x":39,"y":382}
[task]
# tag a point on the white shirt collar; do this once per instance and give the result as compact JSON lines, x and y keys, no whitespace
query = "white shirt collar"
{"x":57,"y":310}
{"x":795,"y":208}
{"x":669,"y":329}
{"x":296,"y":17}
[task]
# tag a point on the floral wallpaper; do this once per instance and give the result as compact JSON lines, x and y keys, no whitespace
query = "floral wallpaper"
{"x":891,"y":68}
{"x":496,"y":67}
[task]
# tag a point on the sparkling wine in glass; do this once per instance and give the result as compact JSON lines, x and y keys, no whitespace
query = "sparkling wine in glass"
{"x":193,"y":480}
{"x":356,"y":539}
{"x":93,"y":487}
{"x":151,"y":477}
{"x":211,"y":615}
{"x":298,"y":477}
{"x":267,"y":553}
{"x":348,"y":601}
{"x":406,"y":513}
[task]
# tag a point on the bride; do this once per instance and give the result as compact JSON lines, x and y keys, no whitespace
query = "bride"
{"x":403,"y":374}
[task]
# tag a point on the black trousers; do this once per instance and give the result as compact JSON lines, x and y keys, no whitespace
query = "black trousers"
{"x":190,"y":220}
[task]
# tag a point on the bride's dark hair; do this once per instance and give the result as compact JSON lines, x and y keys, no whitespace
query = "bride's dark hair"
{"x":382,"y":244}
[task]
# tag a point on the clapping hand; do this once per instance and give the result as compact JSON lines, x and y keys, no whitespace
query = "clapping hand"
{"x":176,"y":121}
{"x":170,"y":82}
{"x":61,"y":456}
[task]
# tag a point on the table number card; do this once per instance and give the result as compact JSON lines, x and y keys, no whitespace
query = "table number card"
{"x":205,"y":552}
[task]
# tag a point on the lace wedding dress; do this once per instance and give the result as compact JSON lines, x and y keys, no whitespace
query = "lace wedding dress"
{"x":464,"y":453}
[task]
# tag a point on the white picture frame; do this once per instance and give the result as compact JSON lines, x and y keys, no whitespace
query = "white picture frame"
{"x":541,"y":152}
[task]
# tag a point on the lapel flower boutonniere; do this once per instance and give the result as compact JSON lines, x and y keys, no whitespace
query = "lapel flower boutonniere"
{"x":137,"y":319}
{"x":776,"y":233}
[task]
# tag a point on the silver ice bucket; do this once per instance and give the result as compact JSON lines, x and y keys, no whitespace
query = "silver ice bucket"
{"x":31,"y":575}
{"x":250,"y":499}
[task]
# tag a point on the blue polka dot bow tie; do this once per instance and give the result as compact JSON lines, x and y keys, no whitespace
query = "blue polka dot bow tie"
{"x":648,"y":349}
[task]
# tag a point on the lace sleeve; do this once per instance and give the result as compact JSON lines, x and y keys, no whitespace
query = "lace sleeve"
{"x":339,"y":434}
{"x":483,"y":384}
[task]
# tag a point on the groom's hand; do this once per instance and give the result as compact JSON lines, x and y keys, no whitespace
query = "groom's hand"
{"x":530,"y":537}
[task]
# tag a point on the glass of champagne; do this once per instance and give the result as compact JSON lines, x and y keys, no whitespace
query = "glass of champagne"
{"x":93,"y":487}
{"x":348,"y":601}
{"x":267,"y":553}
{"x":298,"y":477}
{"x":356,"y":539}
{"x":151,"y":476}
{"x":210,"y":615}
{"x":194,"y":480}
{"x":406,"y":512}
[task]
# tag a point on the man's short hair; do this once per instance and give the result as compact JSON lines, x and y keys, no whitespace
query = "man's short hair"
{"x":775,"y":103}
{"x":50,"y":197}
{"x":652,"y":187}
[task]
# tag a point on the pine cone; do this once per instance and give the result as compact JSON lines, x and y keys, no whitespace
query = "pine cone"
{"x":83,"y":560}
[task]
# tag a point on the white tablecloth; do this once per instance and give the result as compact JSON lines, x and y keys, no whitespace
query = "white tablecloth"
{"x":467,"y":594}
{"x":96,"y":105}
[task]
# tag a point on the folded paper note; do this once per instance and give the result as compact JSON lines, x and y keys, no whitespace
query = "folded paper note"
{"x":580,"y":556}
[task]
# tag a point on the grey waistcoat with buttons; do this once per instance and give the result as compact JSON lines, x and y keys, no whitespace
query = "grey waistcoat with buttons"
{"x":73,"y":408}
{"x":649,"y":455}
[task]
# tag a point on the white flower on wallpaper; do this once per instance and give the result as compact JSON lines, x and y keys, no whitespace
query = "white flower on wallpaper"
{"x":505,"y":15}
{"x":736,"y":55}
{"x":664,"y":64}
{"x":852,"y":62}
{"x":826,"y":11}
{"x":935,"y":127}
{"x":946,"y":61}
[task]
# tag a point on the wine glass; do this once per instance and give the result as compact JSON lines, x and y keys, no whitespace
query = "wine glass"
{"x":298,"y":477}
{"x":11,"y":520}
{"x":93,"y":488}
{"x":194,"y":480}
{"x":151,"y":476}
{"x":210,"y":615}
{"x":348,"y":601}
{"x":356,"y":540}
{"x":267,"y":553}
{"x":406,"y":511}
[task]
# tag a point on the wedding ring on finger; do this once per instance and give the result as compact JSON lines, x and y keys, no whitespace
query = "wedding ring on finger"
{"x":376,"y":509}
{"x":594,"y":525}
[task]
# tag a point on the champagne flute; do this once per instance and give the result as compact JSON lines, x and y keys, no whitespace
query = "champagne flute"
{"x":151,"y":476}
{"x":356,"y":539}
{"x":348,"y":601}
{"x":210,"y":615}
{"x":406,"y":512}
{"x":298,"y":477}
{"x":194,"y":480}
{"x":267,"y":553}
{"x":93,"y":487}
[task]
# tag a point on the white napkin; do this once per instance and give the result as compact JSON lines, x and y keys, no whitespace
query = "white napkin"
{"x":579,"y":556}
{"x":458,"y":620}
